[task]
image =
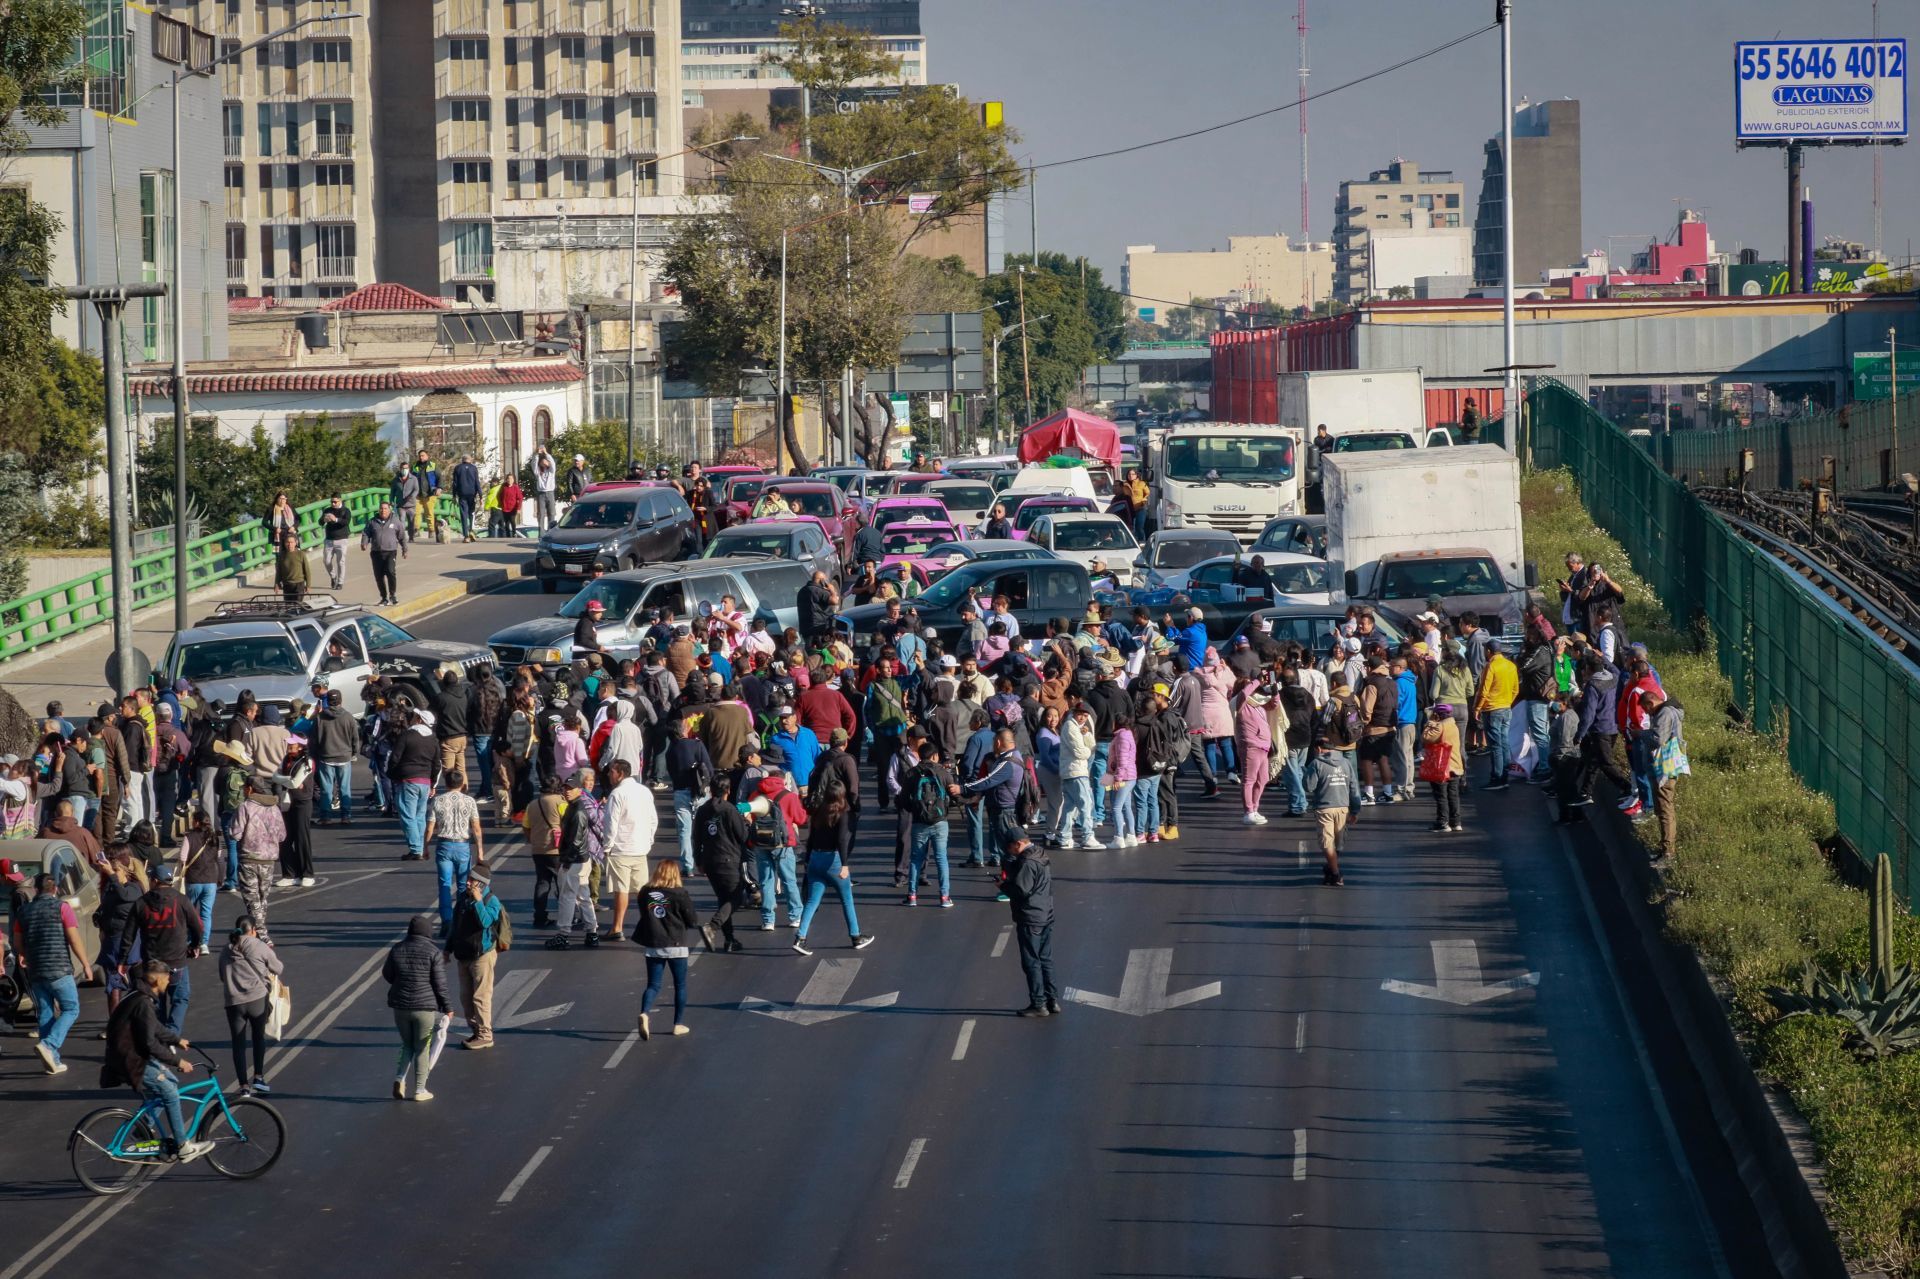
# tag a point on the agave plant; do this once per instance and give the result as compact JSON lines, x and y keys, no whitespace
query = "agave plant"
{"x":1882,"y":1011}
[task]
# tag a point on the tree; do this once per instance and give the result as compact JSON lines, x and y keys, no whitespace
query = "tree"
{"x":52,"y":419}
{"x":36,"y":63}
{"x":1084,"y":323}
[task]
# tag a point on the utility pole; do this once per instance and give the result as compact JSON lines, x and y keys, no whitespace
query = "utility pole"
{"x":1504,"y":13}
{"x":108,"y":301}
{"x":1306,"y":236}
{"x":1796,"y":264}
{"x":1033,"y":211}
{"x":1026,"y":366}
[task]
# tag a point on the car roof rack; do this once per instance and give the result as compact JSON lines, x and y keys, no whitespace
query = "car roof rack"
{"x":274,"y":606}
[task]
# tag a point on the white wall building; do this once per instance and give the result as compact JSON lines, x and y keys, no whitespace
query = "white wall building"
{"x":1401,"y":255}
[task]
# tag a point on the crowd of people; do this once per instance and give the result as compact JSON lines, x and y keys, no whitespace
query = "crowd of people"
{"x":769,"y":751}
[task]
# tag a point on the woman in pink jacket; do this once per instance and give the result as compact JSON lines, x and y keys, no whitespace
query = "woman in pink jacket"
{"x":1254,"y":738}
{"x":1216,"y":714}
{"x":1123,"y":771}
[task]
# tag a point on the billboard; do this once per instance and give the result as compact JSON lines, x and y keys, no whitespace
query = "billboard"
{"x":1768,"y":279}
{"x":1819,"y":90}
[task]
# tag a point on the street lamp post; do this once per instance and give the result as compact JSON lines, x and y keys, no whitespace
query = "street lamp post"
{"x":633,"y":292}
{"x":999,"y":422}
{"x":1512,"y":393}
{"x":109,"y":301}
{"x":177,"y":308}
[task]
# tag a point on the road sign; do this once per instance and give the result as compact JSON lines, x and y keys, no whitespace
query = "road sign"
{"x":1871,"y":379}
{"x":1143,"y":987}
{"x":820,"y":998}
{"x":1819,"y":90}
{"x":1147,"y":313}
{"x":1456,"y":977}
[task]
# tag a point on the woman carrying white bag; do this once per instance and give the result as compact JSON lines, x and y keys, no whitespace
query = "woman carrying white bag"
{"x":250,"y":977}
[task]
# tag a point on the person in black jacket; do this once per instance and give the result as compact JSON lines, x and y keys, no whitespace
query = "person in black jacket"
{"x":119,"y":894}
{"x":720,"y":838}
{"x":418,"y":996}
{"x":666,"y":913}
{"x":1028,"y":884}
{"x":142,"y":1052}
{"x":817,"y":604}
{"x":166,"y":929}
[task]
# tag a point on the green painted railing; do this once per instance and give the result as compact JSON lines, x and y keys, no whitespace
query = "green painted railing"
{"x":34,"y":621}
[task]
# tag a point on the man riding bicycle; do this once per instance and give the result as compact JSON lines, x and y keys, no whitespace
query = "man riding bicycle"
{"x":143,"y":1052}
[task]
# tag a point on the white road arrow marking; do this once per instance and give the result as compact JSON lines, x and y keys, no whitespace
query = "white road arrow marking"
{"x":820,"y":1000}
{"x":1143,"y":988}
{"x":1456,"y":977}
{"x":511,"y":993}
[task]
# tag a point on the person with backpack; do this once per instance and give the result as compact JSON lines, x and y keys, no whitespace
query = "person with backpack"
{"x":1179,"y":746}
{"x":1330,"y":786}
{"x":1002,"y":787}
{"x":480,"y":931}
{"x":893,"y":775}
{"x":833,"y":801}
{"x":774,"y":815}
{"x":927,"y":791}
{"x":1152,"y":753}
{"x":721,"y":839}
{"x":1341,"y":724}
{"x":581,"y":850}
{"x":165,"y":928}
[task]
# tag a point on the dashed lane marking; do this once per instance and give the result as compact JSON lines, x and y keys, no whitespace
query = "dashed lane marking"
{"x":1000,"y":942}
{"x":520,"y":1179}
{"x":966,"y":1037}
{"x":915,"y":1149}
{"x":1299,"y":1154}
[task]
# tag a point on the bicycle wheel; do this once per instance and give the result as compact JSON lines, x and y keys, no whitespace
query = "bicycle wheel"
{"x":92,"y":1141}
{"x":247,"y":1138}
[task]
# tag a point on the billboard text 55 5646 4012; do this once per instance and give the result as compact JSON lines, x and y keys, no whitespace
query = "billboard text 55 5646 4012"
{"x":1820,"y":90}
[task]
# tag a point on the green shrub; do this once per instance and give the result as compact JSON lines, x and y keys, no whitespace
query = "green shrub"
{"x":68,"y":521}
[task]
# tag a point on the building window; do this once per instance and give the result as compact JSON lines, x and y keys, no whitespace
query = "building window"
{"x":157,"y":232}
{"x":647,"y":176}
{"x":473,"y":249}
{"x":573,"y":48}
{"x":542,"y":426}
{"x":473,"y":172}
{"x":573,"y":108}
{"x":236,"y":254}
{"x":470,"y":110}
{"x":467,"y":50}
{"x":333,"y":128}
{"x":332,"y":53}
{"x":334,"y":251}
{"x":1453,"y":202}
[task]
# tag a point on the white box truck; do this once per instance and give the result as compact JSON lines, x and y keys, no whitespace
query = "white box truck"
{"x":1230,"y":476}
{"x":1363,"y":409}
{"x":1406,"y":526}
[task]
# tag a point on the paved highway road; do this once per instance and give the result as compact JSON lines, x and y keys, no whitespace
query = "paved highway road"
{"x":1256,"y":1077}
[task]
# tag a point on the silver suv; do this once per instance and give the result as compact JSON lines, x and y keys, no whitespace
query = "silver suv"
{"x":277,"y":649}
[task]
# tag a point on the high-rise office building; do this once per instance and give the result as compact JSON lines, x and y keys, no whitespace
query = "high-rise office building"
{"x":1403,"y":198}
{"x":381,"y":147}
{"x":1546,"y":195}
{"x":108,"y":172}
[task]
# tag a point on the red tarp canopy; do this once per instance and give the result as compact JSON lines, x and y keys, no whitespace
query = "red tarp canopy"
{"x":1071,"y":429}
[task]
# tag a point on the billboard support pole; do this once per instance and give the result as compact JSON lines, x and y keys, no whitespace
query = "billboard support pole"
{"x":1796,"y":262}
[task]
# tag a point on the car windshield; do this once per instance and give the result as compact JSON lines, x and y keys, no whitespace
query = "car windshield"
{"x":913,"y":484}
{"x":815,"y":502}
{"x":950,"y":590}
{"x":620,"y":598}
{"x":841,"y":480}
{"x":746,"y":487}
{"x":595,"y":512}
{"x":1034,"y":508}
{"x":1092,"y":535}
{"x":1293,"y":535}
{"x":910,"y":542}
{"x":750,"y":541}
{"x":965,"y":497}
{"x":1230,"y":459}
{"x":1372,"y":443}
{"x":1298,"y":579}
{"x":240,"y":656}
{"x":1185,"y":552}
{"x":1464,"y":575}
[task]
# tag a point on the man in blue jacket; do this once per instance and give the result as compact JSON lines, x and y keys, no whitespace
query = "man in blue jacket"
{"x":1406,"y":724}
{"x":797,"y":742}
{"x":999,"y":789}
{"x":466,"y":491}
{"x":973,"y":760}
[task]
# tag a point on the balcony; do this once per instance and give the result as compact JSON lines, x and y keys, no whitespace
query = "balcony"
{"x":330,"y":204}
{"x":460,"y":138}
{"x":568,"y":76}
{"x":331,"y":142}
{"x":472,"y":266}
{"x":522,"y":16}
{"x":573,"y":137}
{"x":529,"y":190}
{"x":466,"y":200}
{"x":461,"y":18}
{"x":236,"y":270}
{"x":233,"y":81}
{"x":575,"y":17}
{"x":234,"y":145}
{"x":463,"y":78}
{"x":633,"y":16}
{"x":526,"y":139}
{"x":330,"y":80}
{"x":236,"y":204}
{"x":330,"y":267}
{"x":642,"y":139}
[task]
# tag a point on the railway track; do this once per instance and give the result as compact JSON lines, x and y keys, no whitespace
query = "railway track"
{"x":1852,"y":557}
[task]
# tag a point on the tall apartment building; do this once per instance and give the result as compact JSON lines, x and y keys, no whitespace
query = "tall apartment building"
{"x":1400,"y":196}
{"x":108,"y":172}
{"x":378,"y":148}
{"x":722,"y":42}
{"x":1546,"y":195}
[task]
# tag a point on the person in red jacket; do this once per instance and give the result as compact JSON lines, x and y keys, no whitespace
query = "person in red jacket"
{"x":824,"y":708}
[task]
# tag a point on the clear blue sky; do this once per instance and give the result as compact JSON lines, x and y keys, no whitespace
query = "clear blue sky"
{"x":1654,"y":79}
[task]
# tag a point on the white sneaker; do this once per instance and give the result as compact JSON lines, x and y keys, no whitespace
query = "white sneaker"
{"x":306,"y":881}
{"x":422,"y":1094}
{"x":193,"y":1150}
{"x":1094,"y":844}
{"x":285,"y":881}
{"x":1067,"y":844}
{"x":1256,"y":819}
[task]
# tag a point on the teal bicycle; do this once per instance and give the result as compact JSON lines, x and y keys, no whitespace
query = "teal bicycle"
{"x":114,"y":1149}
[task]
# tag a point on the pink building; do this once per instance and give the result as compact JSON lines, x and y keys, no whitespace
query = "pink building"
{"x":1682,"y":261}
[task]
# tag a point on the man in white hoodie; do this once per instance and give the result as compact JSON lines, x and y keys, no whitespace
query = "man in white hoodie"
{"x":624,"y":742}
{"x":1076,"y":785}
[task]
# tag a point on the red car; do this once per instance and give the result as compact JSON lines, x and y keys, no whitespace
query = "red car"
{"x":734,"y":496}
{"x":825,"y":501}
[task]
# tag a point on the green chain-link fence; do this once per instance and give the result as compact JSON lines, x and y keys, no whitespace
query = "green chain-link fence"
{"x":1848,"y":707}
{"x":1863,"y":439}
